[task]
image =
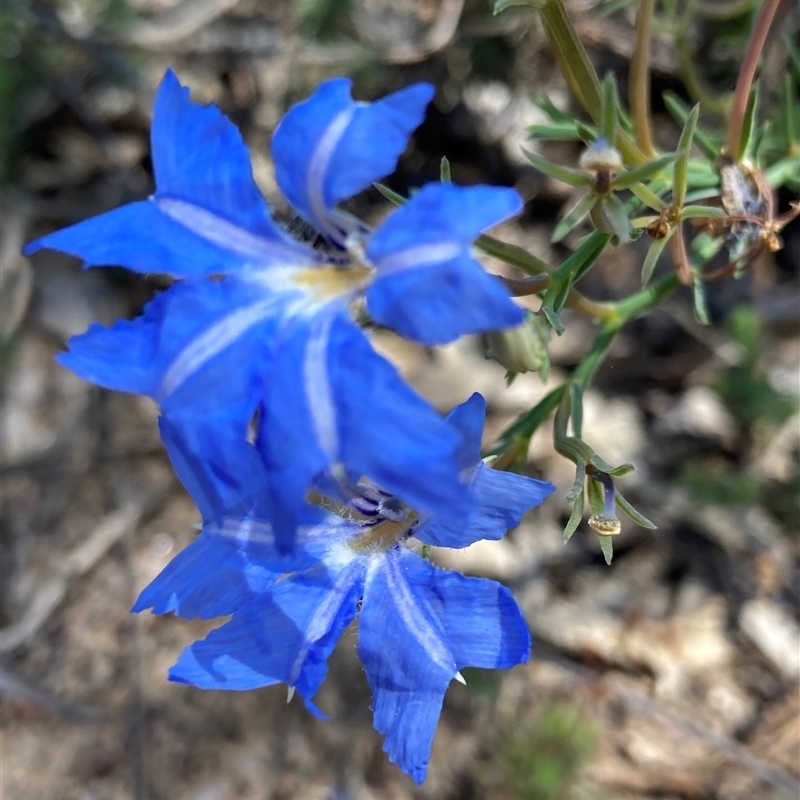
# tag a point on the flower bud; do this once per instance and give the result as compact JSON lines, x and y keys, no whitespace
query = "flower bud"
{"x":600,"y":156}
{"x":522,"y":348}
{"x":603,"y":498}
{"x":603,"y":161}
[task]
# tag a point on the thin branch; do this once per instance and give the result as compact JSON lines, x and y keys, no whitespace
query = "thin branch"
{"x":744,"y":83}
{"x":639,"y":88}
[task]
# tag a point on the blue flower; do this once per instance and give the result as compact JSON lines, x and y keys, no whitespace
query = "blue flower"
{"x":207,"y":216}
{"x":274,"y":336}
{"x":418,"y":625}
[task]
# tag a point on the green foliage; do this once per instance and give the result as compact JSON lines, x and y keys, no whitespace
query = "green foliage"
{"x":321,"y":18}
{"x":16,"y":80}
{"x":485,"y":683}
{"x":783,"y":499}
{"x":543,"y":762}
{"x":719,"y":484}
{"x":744,"y":387}
{"x":751,"y":397}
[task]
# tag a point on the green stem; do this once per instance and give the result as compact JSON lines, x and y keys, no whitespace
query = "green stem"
{"x":648,"y":298}
{"x":579,"y":73}
{"x":583,"y":375}
{"x":526,"y":425}
{"x":585,"y":371}
{"x":531,"y":265}
{"x":620,"y":313}
{"x":585,"y":255}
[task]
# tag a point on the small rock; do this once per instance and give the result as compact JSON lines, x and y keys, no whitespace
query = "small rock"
{"x":701,"y":414}
{"x":775,"y":633}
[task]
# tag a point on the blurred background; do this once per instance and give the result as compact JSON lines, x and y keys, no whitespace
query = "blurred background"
{"x":672,"y":674}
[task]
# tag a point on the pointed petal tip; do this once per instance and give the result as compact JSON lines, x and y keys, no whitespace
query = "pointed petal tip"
{"x":32,"y":247}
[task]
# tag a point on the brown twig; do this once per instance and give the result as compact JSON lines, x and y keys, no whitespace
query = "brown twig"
{"x":524,"y":287}
{"x":639,"y":88}
{"x":725,"y":746}
{"x":744,"y":83}
{"x":83,"y":558}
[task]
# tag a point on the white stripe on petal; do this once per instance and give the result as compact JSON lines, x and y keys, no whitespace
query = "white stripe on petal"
{"x":320,"y":159}
{"x":424,"y":255}
{"x":412,"y":617}
{"x":324,"y":615}
{"x":212,"y":341}
{"x":227,"y":235}
{"x":317,"y":387}
{"x":243,"y":530}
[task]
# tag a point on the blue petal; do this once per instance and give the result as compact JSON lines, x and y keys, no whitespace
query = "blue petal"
{"x":220,"y":469}
{"x":468,"y":419}
{"x":429,"y":288}
{"x":225,"y":567}
{"x":333,"y":402}
{"x":483,"y":624}
{"x":169,"y":236}
{"x":236,"y":557}
{"x":207,"y":215}
{"x":419,"y":625}
{"x":199,"y":157}
{"x":202,"y":347}
{"x":284,"y":636}
{"x":330,"y":147}
{"x":500,"y":499}
{"x":121,"y":357}
{"x":409,"y":664}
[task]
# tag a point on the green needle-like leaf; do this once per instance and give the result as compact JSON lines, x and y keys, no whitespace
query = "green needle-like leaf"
{"x":648,"y":197}
{"x":702,"y":212}
{"x":444,"y":170}
{"x":701,"y":194}
{"x":607,"y":547}
{"x":555,"y":132}
{"x":573,"y":177}
{"x":390,"y":195}
{"x":543,"y":102}
{"x":700,"y":307}
{"x":651,"y":259}
{"x":576,"y":496}
{"x":555,"y":321}
{"x":679,"y":178}
{"x":574,"y":518}
{"x":502,"y":5}
{"x":595,"y":496}
{"x":617,"y":216}
{"x":749,"y":125}
{"x":602,"y":465}
{"x":556,"y":295}
{"x":784,"y":172}
{"x":626,"y":508}
{"x":609,"y":115}
{"x":576,"y":403}
{"x":574,"y":217}
{"x":644,"y":172}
